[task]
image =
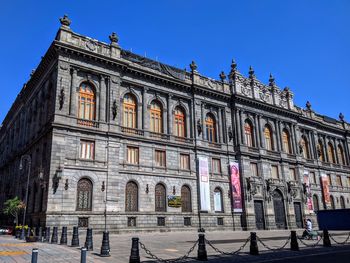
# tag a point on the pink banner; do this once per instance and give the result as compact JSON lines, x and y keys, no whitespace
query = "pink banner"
{"x":236,"y":187}
{"x":308,"y":191}
{"x":325,"y":189}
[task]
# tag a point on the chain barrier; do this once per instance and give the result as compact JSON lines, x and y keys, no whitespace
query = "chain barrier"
{"x":274,"y":249}
{"x":148,"y":252}
{"x":308,"y":245}
{"x":227,"y":253}
{"x":339,"y":243}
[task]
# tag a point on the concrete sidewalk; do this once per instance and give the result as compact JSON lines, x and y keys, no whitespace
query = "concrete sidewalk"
{"x":167,"y":245}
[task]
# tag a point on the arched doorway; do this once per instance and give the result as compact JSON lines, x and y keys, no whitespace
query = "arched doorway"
{"x":278,"y":205}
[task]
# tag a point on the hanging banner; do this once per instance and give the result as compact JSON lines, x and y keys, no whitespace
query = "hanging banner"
{"x":325,"y":189}
{"x":236,"y":187}
{"x":308,"y":190}
{"x":204,"y":183}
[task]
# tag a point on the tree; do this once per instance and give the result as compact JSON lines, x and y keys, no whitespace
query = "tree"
{"x":13,"y":207}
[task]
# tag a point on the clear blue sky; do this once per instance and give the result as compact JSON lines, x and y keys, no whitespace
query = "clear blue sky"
{"x":305,"y":44}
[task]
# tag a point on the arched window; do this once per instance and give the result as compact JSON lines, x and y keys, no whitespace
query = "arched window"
{"x":129,"y":111}
{"x":186,"y":205}
{"x":87,"y":100}
{"x":332,"y":202}
{"x":131,"y":197}
{"x":210,"y":126}
{"x":315,"y":203}
{"x":286,"y":141}
{"x":342,"y":202}
{"x":341,"y":156}
{"x":331,"y":155}
{"x":305,"y":147}
{"x":179,"y":122}
{"x":320,"y":151}
{"x":84,"y":195}
{"x":268,"y":138}
{"x":156,"y":117}
{"x":218,"y":207}
{"x":248,"y":132}
{"x":160,"y":198}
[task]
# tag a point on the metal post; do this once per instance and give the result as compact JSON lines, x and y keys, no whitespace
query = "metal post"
{"x":294,"y":241}
{"x":28,"y":232}
{"x":105,"y":249}
{"x":83,"y":255}
{"x":34,"y":255}
{"x":40,"y":236}
{"x":135,"y":253}
{"x":54,"y":238}
{"x":254,"y":250}
{"x":29,"y":159}
{"x":88,"y":242}
{"x":47,"y":234}
{"x":202,"y":252}
{"x":63,"y":240}
{"x":75,"y":237}
{"x":326,"y":240}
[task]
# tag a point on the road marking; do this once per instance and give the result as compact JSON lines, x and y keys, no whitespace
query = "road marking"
{"x":171,"y":250}
{"x":14,"y":245}
{"x":12,"y":253}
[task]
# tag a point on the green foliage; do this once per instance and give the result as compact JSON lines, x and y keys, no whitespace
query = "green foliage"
{"x":13,"y":207}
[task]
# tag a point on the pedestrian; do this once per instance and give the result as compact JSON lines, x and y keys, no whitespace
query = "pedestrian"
{"x":308,"y":229}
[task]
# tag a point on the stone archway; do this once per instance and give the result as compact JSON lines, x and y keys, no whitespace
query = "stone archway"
{"x":278,"y":205}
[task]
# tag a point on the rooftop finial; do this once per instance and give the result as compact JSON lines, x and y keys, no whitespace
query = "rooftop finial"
{"x":341,"y":117}
{"x":308,"y":105}
{"x":233,"y":65}
{"x":65,"y":21}
{"x":193,"y":66}
{"x":113,"y":38}
{"x":251,"y":72}
{"x":222,"y":76}
{"x":271,"y":80}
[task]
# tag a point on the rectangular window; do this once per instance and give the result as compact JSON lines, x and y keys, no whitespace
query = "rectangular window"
{"x":274,"y":172}
{"x":220,"y":221}
{"x":187,"y":221}
{"x":254,"y":169}
{"x":329,"y":179}
{"x":133,"y":155}
{"x":338,"y":178}
{"x":292,"y":174}
{"x":184,"y":161}
{"x":216,"y":166}
{"x":160,"y":221}
{"x":160,"y":158}
{"x":131,"y":221}
{"x":83,"y":222}
{"x":312,"y":177}
{"x":87,"y":150}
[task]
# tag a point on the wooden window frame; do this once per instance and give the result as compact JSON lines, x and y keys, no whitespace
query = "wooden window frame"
{"x":156,"y":117}
{"x":86,"y":102}
{"x":83,"y":150}
{"x":179,"y":122}
{"x":129,"y":158}
{"x":188,"y":161}
{"x":268,"y":138}
{"x":210,"y":127}
{"x":130,"y":111}
{"x":286,"y":142}
{"x":161,"y":162}
{"x":218,"y":160}
{"x":248,"y":134}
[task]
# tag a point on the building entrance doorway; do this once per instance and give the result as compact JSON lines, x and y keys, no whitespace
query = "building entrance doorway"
{"x":278,"y":205}
{"x":259,"y":215}
{"x":298,"y":216}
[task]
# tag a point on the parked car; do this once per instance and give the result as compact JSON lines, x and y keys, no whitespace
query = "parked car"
{"x":6,"y":230}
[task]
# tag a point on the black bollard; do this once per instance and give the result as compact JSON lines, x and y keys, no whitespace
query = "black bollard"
{"x":202,"y":252}
{"x":294,"y":241}
{"x":54,"y":238}
{"x":254,"y":250}
{"x":326,"y":240}
{"x":40,"y":234}
{"x":75,"y":237}
{"x":63,"y":240}
{"x":34,"y":255}
{"x":88,"y":242}
{"x":47,"y":234}
{"x":28,"y":232}
{"x":105,"y":245}
{"x":135,"y":253}
{"x":18,"y":233}
{"x":83,"y":255}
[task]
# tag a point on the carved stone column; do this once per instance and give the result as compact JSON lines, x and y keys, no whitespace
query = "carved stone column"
{"x":336,"y":151}
{"x":103,"y":94}
{"x":311,"y":144}
{"x":325,"y":140}
{"x":219,"y":126}
{"x":144,"y":108}
{"x":257,"y":132}
{"x":278,"y":135}
{"x":169,"y":115}
{"x":242,"y":128}
{"x":238,"y":128}
{"x":294,"y":140}
{"x":73,"y":92}
{"x":260,"y":144}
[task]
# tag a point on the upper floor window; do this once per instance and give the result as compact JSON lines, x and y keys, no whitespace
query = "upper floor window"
{"x":286,"y":141}
{"x":304,"y":147}
{"x":216,"y":166}
{"x":129,"y":111}
{"x":320,"y":150}
{"x":341,"y":156}
{"x":87,"y":150}
{"x":156,"y":117}
{"x":210,"y":125}
{"x":180,"y":120}
{"x":329,"y":179}
{"x":248,"y":132}
{"x":132,"y":155}
{"x":160,"y":158}
{"x":331,"y":155}
{"x":338,"y":180}
{"x":292,"y":174}
{"x":87,"y":100}
{"x":274,"y":172}
{"x":268,"y":138}
{"x":254,"y":169}
{"x":184,"y":161}
{"x":84,"y":195}
{"x":312,"y":177}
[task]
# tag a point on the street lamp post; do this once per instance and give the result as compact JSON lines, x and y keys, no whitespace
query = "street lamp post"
{"x":29,"y":160}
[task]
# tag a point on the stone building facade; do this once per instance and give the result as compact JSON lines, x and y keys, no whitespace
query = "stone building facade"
{"x":115,"y":136}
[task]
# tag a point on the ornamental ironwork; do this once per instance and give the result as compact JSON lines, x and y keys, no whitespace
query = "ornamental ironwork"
{"x":84,"y":195}
{"x":131,"y":198}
